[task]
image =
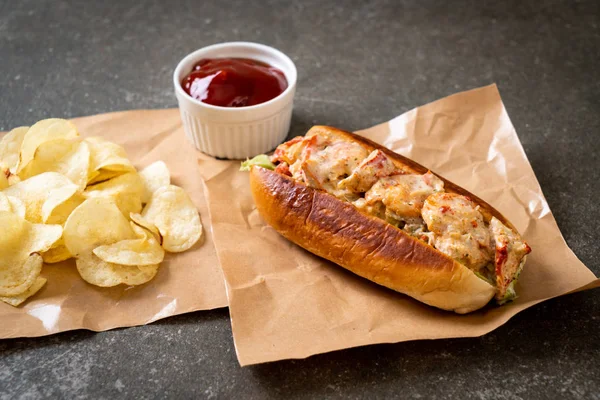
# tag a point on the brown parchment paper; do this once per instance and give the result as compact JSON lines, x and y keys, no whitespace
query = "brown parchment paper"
{"x":286,"y":303}
{"x":185,"y":282}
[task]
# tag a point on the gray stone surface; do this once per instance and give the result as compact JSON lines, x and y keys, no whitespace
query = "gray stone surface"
{"x":360,"y":63}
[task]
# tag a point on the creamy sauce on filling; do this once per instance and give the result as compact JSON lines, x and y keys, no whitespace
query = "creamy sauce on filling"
{"x":418,"y":204}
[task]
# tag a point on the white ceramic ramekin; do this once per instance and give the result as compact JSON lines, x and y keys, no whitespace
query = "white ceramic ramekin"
{"x":242,"y":132}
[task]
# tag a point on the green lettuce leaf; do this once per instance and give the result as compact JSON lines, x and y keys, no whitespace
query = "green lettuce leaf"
{"x":482,"y":277}
{"x":510,"y":294}
{"x":261,"y":160}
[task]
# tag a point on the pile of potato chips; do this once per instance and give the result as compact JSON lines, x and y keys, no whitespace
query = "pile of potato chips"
{"x":64,"y":196}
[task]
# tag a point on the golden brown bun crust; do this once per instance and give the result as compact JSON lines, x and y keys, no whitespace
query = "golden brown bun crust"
{"x":365,"y":245}
{"x":411,"y":166}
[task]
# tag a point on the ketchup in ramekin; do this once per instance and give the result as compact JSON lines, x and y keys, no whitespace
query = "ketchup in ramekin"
{"x":234,"y":82}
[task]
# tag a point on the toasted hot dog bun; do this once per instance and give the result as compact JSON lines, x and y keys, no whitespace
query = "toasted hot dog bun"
{"x":366,"y":245}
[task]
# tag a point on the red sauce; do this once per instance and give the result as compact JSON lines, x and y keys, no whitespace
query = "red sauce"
{"x":283,"y":168}
{"x":501,"y":257}
{"x":234,"y":82}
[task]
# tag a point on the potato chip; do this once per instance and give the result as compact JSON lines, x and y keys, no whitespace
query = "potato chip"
{"x":138,"y":274}
{"x":52,"y":151}
{"x":13,"y":230}
{"x":42,"y":237}
{"x":10,"y":145}
{"x":12,"y":204}
{"x":70,"y":158}
{"x":102,"y":176}
{"x":126,"y":190}
{"x":41,"y":132}
{"x":140,"y":221}
{"x":154,"y":176}
{"x":141,"y":232}
{"x":101,"y":273}
{"x":62,"y":196}
{"x":57,"y":253}
{"x":94,"y":223}
{"x":60,"y":214}
{"x":107,"y":155}
{"x":20,"y":241}
{"x":3,"y":178}
{"x":171,"y":210}
{"x":144,"y":250}
{"x":5,"y":203}
{"x":41,"y":194}
{"x":20,"y":298}
{"x":13,"y":179}
{"x":17,"y":206}
{"x":19,"y":238}
{"x":16,"y":276}
{"x":92,"y":175}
